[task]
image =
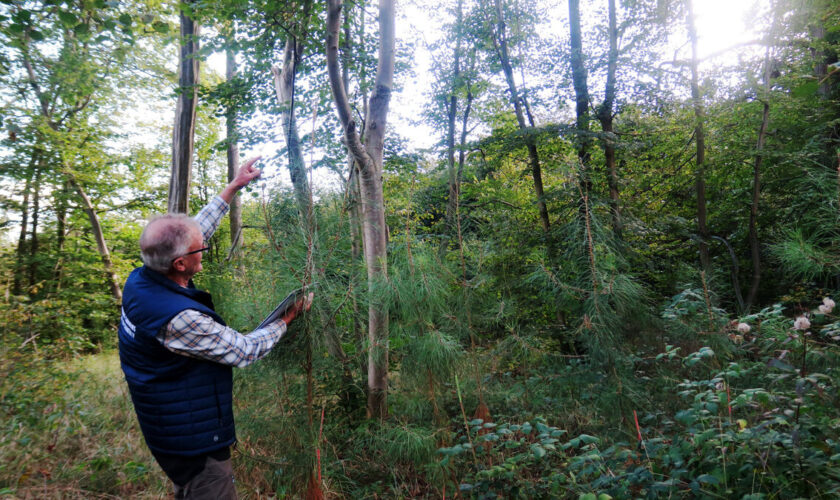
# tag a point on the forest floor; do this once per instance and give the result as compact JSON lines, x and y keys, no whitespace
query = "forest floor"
{"x":69,"y":431}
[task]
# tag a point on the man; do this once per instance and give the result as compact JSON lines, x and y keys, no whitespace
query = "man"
{"x":177,"y":354}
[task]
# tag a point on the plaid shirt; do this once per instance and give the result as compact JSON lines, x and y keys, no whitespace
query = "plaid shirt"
{"x":193,"y":334}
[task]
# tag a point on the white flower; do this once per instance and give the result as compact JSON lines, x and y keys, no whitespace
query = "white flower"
{"x":829,"y":305}
{"x":824,"y":309}
{"x":743,"y":328}
{"x":801,"y":323}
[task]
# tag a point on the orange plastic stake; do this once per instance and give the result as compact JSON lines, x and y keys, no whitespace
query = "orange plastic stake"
{"x":638,"y":429}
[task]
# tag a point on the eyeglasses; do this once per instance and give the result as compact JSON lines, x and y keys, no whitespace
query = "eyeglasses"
{"x":190,"y":253}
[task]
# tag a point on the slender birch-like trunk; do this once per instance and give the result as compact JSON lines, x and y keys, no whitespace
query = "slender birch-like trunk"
{"x":369,"y":157}
{"x":99,"y":236}
{"x":700,"y":141}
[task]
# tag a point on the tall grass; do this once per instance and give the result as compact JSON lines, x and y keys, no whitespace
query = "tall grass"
{"x":68,"y":430}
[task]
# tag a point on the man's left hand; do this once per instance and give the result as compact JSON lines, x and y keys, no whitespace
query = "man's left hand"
{"x":303,"y":304}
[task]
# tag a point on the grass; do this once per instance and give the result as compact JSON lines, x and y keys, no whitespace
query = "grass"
{"x":69,"y":431}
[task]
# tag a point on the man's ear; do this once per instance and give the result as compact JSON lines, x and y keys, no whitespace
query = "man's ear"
{"x":179,"y":265}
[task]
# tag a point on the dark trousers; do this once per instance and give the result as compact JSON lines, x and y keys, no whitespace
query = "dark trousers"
{"x":208,"y":476}
{"x":214,"y":482}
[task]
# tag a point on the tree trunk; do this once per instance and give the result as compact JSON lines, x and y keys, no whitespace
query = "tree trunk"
{"x":520,"y":107}
{"x":818,"y":33}
{"x":183,"y":134}
{"x":284,"y":87}
{"x":236,"y":236}
{"x":755,"y":250}
{"x":33,"y":235}
{"x":101,"y":245}
{"x":700,"y":139}
{"x":353,"y":193}
{"x":605,"y":116}
{"x":579,"y":80}
{"x":369,"y":157}
{"x":462,"y":151}
{"x":20,"y":263}
{"x":452,"y":112}
{"x":60,"y":237}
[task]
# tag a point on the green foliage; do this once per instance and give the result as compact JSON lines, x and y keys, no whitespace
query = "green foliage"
{"x":70,"y":423}
{"x":404,"y":445}
{"x":806,"y":258}
{"x":431,"y":358}
{"x":579,"y":362}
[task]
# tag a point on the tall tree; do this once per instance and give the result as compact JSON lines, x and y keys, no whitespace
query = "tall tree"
{"x":284,"y":85}
{"x":521,"y":109}
{"x":20,"y":262}
{"x":700,"y":142}
{"x":755,"y":250}
{"x":605,"y":116}
{"x":369,"y":157}
{"x":99,"y":237}
{"x":582,"y":118}
{"x":61,"y":120}
{"x":232,"y":142}
{"x":451,"y":115}
{"x":183,"y":133}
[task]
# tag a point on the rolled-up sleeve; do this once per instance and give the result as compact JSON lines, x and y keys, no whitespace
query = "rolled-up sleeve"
{"x":197,"y":335}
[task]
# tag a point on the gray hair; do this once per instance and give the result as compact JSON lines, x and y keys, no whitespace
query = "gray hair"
{"x":165,"y":238}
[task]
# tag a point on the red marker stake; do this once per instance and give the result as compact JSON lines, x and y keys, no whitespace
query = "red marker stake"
{"x":638,"y":429}
{"x":318,"y":449}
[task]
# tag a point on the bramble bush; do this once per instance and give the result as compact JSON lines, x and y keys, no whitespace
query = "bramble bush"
{"x":762,"y":424}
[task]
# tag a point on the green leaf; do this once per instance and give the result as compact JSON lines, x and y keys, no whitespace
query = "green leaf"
{"x":125,"y":19}
{"x":781,"y":365}
{"x":36,"y":35}
{"x":16,"y":29}
{"x":707,"y":479}
{"x":587,"y":439}
{"x":22,"y":15}
{"x":538,"y":450}
{"x":806,"y":89}
{"x":161,"y":27}
{"x":67,"y":18}
{"x":82,"y":29}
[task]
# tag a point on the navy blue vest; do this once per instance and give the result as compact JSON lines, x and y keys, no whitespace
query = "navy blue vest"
{"x":184,"y":405}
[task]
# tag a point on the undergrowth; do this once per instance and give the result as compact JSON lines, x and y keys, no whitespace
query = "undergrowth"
{"x":69,"y":430}
{"x":756,"y":419}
